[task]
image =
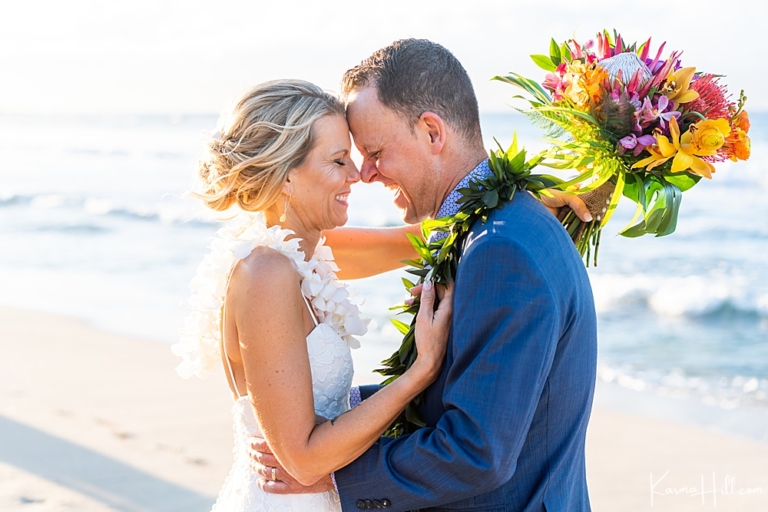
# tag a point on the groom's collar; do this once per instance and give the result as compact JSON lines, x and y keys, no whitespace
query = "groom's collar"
{"x":449,"y":206}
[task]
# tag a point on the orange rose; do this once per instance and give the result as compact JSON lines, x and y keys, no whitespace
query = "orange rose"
{"x":742,"y":121}
{"x":742,"y":146}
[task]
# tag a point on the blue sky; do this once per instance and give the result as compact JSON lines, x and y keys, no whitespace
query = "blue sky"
{"x":191,"y":56}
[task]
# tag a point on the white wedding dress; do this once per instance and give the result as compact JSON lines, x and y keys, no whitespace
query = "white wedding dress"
{"x":337,"y":321}
{"x":331,"y":365}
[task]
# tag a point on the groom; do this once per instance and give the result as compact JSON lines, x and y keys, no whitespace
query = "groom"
{"x":507,"y":418}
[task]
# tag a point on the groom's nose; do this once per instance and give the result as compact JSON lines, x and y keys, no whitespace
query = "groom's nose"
{"x":368,"y":170}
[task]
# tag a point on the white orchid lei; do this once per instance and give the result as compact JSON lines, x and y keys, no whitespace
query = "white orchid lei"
{"x":199,"y":338}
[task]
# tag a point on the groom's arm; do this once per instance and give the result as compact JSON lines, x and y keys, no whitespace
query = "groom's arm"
{"x":504,"y":332}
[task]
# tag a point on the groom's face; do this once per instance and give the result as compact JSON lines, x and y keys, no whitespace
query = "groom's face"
{"x":394,"y":154}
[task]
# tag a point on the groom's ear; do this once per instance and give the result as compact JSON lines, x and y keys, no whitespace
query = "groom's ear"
{"x":434,"y":128}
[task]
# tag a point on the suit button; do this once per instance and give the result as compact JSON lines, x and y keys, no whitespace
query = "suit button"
{"x":386,"y":503}
{"x":360,"y":504}
{"x":376,"y":504}
{"x":368,"y":504}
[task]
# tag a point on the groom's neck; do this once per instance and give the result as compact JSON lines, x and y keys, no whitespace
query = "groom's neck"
{"x":461,"y":165}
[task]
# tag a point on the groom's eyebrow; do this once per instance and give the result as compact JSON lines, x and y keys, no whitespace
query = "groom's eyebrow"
{"x":367,"y":150}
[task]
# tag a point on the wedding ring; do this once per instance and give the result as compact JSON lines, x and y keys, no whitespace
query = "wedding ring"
{"x":274,"y":474}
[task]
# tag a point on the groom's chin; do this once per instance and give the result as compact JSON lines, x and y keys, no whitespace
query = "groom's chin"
{"x":409,"y":216}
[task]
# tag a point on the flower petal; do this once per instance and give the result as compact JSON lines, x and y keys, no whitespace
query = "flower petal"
{"x":665,"y":147}
{"x":702,"y":168}
{"x":682,"y":162}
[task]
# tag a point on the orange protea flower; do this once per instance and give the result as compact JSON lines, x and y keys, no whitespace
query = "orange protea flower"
{"x":703,"y":139}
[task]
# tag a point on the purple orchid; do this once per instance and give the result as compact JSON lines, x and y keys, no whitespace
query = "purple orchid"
{"x":635,"y":143}
{"x":664,"y":111}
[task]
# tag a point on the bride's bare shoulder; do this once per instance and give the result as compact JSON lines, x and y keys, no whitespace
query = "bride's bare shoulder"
{"x":267,"y":268}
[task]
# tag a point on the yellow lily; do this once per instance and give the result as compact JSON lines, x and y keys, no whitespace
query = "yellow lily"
{"x":677,"y":86}
{"x":662,"y":151}
{"x":702,"y":139}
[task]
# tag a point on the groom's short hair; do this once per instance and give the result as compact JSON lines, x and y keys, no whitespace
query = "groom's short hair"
{"x":413,"y":76}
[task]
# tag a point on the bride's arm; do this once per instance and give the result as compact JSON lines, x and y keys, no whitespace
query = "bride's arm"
{"x":267,"y":306}
{"x":364,"y":252}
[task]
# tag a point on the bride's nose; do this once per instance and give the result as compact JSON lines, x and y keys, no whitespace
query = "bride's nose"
{"x":353,"y":175}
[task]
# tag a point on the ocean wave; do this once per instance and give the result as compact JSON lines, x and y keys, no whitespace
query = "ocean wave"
{"x":104,"y":207}
{"x":14,"y":199}
{"x":180,"y":214}
{"x":84,"y":229}
{"x":50,"y":201}
{"x":717,"y":390}
{"x":692,"y":296}
{"x":97,"y":152}
{"x":170,"y":214}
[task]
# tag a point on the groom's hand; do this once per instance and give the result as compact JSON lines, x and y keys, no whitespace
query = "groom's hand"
{"x":263,"y":463}
{"x":560,"y":200}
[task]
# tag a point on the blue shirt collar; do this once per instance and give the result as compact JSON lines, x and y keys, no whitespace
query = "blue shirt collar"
{"x":449,"y":206}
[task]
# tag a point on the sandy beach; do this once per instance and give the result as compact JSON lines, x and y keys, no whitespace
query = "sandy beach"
{"x":94,"y":421}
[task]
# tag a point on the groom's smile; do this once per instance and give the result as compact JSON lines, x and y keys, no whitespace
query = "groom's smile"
{"x":393,"y":153}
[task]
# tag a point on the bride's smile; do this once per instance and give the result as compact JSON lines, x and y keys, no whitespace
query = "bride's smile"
{"x":315,"y":197}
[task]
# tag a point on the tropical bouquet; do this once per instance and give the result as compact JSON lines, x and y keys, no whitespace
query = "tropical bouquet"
{"x":632,"y":124}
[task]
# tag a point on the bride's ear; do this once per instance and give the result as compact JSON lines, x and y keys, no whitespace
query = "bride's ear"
{"x":288,"y":186}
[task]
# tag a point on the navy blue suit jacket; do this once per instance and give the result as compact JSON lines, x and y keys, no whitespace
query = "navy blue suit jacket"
{"x":507,"y":417}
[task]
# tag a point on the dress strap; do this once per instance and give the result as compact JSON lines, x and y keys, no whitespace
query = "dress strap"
{"x":311,"y":311}
{"x":227,"y":362}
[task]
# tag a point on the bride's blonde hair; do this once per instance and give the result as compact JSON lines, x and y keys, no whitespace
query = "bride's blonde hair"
{"x":267,"y":133}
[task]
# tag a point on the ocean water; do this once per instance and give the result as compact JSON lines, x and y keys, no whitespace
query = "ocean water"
{"x":95,"y":223}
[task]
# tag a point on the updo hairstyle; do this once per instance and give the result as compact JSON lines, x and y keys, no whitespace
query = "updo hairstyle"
{"x":267,"y":133}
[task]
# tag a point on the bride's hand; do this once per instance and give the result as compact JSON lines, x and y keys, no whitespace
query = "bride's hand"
{"x":273,"y":479}
{"x":432,"y":327}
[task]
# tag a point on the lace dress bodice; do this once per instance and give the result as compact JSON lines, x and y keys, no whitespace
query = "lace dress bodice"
{"x":331,"y":366}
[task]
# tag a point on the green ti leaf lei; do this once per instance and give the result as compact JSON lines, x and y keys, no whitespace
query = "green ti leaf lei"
{"x":439,"y":258}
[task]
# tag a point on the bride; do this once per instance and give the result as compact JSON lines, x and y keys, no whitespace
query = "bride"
{"x":269,"y":300}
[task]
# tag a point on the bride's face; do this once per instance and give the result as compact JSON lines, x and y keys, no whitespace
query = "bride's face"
{"x":321,"y":184}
